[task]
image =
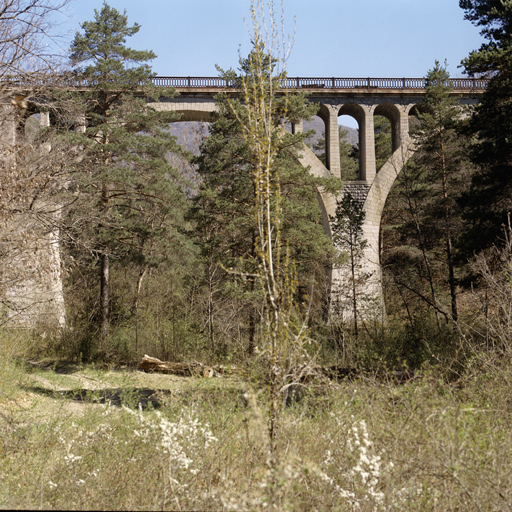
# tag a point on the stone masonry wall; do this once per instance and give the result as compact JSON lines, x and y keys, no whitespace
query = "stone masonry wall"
{"x":357,"y":189}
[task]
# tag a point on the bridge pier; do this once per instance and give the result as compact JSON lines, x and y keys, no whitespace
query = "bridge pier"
{"x":367,"y":164}
{"x":370,"y":191}
{"x":31,"y":282}
{"x":329,"y":115}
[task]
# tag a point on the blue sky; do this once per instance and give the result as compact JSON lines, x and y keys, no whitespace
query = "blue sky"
{"x":341,"y":38}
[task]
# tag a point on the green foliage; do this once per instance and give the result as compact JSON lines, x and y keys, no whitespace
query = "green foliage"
{"x":487,"y":203}
{"x":126,"y":172}
{"x":103,"y":43}
{"x":347,"y":235}
{"x":128,"y":202}
{"x":422,"y":212}
{"x":227,"y":228}
{"x":495,"y":18}
{"x":412,"y":346}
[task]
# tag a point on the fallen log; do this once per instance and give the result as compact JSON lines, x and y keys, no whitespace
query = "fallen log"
{"x":152,"y":364}
{"x":195,"y":369}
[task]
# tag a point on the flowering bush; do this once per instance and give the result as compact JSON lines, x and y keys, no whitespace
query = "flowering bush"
{"x":183,"y":442}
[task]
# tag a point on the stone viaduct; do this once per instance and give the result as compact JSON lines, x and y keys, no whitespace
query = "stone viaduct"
{"x":361,"y":98}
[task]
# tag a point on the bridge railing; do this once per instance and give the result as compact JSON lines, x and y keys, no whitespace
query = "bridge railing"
{"x":192,"y":82}
{"x":188,"y":82}
{"x":322,"y":83}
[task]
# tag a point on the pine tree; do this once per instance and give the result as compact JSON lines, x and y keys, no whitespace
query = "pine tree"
{"x":490,"y":199}
{"x":347,"y":230}
{"x":225,"y":204}
{"x":129,"y":197}
{"x":426,"y":194}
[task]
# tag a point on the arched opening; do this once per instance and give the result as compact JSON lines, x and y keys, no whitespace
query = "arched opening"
{"x":383,"y":144}
{"x":349,"y":147}
{"x":386,"y":124}
{"x":352,"y":145}
{"x":414,"y":121}
{"x":325,"y":115}
{"x":348,"y":134}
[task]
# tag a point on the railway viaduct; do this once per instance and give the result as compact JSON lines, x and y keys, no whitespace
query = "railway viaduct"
{"x":361,"y":98}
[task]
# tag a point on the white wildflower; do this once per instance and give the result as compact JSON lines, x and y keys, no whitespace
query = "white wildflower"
{"x":179,"y":440}
{"x":70,"y":458}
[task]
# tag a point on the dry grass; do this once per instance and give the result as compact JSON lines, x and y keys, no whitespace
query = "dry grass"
{"x":361,"y":445}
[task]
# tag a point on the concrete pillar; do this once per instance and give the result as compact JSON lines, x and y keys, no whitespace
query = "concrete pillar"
{"x":298,"y":127}
{"x":370,"y":297}
{"x":403,"y":129}
{"x":332,"y":142}
{"x":367,"y":165}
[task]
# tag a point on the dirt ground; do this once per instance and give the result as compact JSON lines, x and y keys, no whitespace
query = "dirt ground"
{"x":47,"y":388}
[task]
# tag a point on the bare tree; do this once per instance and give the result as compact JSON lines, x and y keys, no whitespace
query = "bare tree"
{"x":26,"y":27}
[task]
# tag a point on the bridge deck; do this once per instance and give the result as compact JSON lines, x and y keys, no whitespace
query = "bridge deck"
{"x":320,"y":86}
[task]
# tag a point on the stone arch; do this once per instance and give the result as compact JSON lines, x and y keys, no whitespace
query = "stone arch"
{"x":412,"y":113}
{"x":357,"y":112}
{"x":308,"y":159}
{"x":189,"y":111}
{"x":329,"y":114}
{"x":392,"y":114}
{"x":325,"y":113}
{"x":353,"y":110}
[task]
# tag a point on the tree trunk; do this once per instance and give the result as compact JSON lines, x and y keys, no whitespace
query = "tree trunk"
{"x":353,"y":271}
{"x":211,"y":331}
{"x":451,"y":279}
{"x":449,"y":256}
{"x":140,"y":278}
{"x":104,"y":297}
{"x":105,"y":277}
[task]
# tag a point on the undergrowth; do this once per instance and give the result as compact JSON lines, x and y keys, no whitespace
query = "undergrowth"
{"x":363,"y":444}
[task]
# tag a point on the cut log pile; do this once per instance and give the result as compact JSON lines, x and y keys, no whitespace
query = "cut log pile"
{"x":152,"y":364}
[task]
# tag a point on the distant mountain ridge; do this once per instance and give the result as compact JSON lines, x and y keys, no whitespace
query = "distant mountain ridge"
{"x":190,"y":134}
{"x":318,"y":125}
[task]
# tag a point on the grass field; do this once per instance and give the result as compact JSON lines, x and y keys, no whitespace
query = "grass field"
{"x":75,"y":437}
